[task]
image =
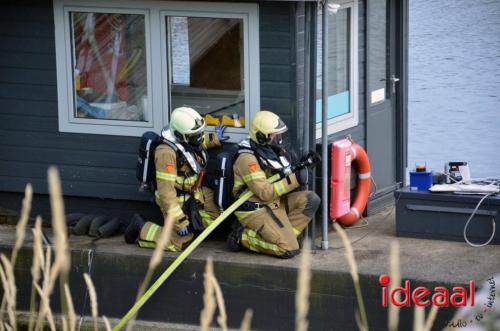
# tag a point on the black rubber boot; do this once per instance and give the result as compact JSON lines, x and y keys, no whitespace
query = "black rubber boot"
{"x":82,"y":227}
{"x":96,"y":223}
{"x":289,"y":254}
{"x":133,"y":230}
{"x":234,"y":238}
{"x":300,"y":238}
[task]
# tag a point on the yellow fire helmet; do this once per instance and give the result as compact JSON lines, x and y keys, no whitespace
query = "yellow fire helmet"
{"x":264,"y":124}
{"x":187,"y":125}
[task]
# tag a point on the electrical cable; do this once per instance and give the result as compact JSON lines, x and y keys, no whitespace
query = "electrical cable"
{"x":90,"y":258}
{"x":470,"y":218}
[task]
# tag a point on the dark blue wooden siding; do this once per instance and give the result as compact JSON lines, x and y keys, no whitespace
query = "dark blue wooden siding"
{"x":96,"y":165}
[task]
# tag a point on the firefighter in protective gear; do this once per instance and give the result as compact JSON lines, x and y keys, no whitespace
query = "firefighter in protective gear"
{"x":180,"y":162}
{"x":276,"y":215}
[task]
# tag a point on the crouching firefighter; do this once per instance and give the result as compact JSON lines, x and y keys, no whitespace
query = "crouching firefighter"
{"x":180,"y":159}
{"x":271,"y":221}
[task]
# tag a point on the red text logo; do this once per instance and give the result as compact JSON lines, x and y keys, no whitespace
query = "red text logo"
{"x":422,"y":296}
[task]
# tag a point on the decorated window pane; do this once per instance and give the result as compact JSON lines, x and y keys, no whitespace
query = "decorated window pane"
{"x":109,"y":66}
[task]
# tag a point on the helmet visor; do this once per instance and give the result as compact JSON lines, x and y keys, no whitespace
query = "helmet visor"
{"x":195,"y":139}
{"x":276,"y":139}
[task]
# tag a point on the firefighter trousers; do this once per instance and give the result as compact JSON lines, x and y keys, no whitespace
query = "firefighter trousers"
{"x":277,"y":234}
{"x":150,"y":232}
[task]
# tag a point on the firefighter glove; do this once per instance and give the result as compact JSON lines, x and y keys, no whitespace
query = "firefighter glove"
{"x":311,"y":159}
{"x":183,"y":231}
{"x":302,"y":176}
{"x":219,"y":129}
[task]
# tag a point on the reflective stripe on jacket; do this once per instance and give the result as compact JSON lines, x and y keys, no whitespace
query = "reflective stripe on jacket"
{"x":171,"y":177}
{"x":247,"y":172}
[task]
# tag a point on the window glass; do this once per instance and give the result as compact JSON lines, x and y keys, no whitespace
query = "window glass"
{"x":339,"y":64}
{"x":206,"y":65}
{"x":378,"y":51}
{"x":109,"y":66}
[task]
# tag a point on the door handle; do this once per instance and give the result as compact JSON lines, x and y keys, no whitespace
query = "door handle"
{"x":394,"y":80}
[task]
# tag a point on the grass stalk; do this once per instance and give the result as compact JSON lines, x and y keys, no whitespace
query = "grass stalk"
{"x":42,"y":292}
{"x":21,"y":224}
{"x":20,"y":234}
{"x":354,"y":273}
{"x":36,"y":268}
{"x":303,"y":289}
{"x":71,"y":309}
{"x":45,"y":308}
{"x":246,"y":323}
{"x":208,"y":297}
{"x":62,"y":258}
{"x":222,"y":318}
{"x":418,"y":318}
{"x":429,"y":322}
{"x":93,"y":299}
{"x":155,"y":260}
{"x":107,"y":325}
{"x":395,"y":274}
{"x":11,"y":293}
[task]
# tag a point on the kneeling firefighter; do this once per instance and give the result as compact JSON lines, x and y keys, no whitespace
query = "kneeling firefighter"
{"x":180,"y":160}
{"x":274,"y":217}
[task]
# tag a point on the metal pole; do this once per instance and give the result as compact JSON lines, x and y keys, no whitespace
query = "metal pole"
{"x":307,"y":59}
{"x":313,"y":41}
{"x":324,"y":128}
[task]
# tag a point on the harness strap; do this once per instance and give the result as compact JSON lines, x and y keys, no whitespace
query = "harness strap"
{"x":274,"y":217}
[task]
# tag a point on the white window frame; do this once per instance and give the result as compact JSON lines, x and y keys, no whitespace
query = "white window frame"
{"x":351,"y":119}
{"x":155,"y":12}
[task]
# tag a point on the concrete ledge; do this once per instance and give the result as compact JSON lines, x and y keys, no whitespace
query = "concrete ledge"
{"x":266,"y":284}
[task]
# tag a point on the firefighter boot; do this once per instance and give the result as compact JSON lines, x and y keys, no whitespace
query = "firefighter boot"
{"x":134,"y":229}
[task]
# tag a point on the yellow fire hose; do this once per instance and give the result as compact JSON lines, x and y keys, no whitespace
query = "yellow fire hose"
{"x":184,"y":254}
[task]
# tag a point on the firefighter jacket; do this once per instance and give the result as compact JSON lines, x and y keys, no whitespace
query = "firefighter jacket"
{"x":248,"y":173}
{"x":176,"y":181}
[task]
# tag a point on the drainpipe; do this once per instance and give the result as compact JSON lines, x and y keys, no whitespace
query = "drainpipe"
{"x":324,"y":128}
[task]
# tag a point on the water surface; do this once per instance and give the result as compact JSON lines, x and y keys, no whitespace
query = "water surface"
{"x":454,"y":84}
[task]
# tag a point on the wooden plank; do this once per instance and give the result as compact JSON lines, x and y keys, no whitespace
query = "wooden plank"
{"x":28,"y":92}
{"x":28,"y":76}
{"x":74,"y":157}
{"x":81,"y":189}
{"x":275,"y":89}
{"x":31,"y":124}
{"x":34,"y":12}
{"x":27,"y":108}
{"x":275,"y":39}
{"x":27,"y":60}
{"x":274,"y":17}
{"x":274,"y":56}
{"x":63,"y":141}
{"x":70,"y":173}
{"x":15,"y":28}
{"x":275,"y":73}
{"x":27,"y":44}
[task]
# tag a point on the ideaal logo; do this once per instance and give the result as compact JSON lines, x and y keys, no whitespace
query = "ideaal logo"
{"x":423,"y":296}
{"x":440,"y":296}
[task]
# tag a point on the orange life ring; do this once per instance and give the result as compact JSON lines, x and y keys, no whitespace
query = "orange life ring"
{"x":360,"y":158}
